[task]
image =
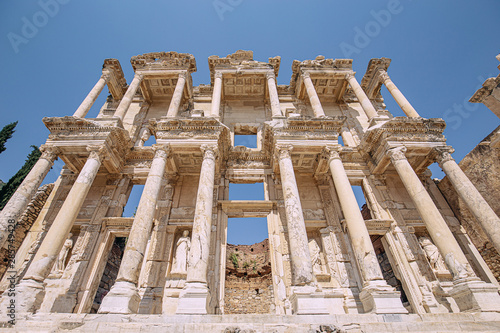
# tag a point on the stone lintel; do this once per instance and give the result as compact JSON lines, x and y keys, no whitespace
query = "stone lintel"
{"x":247,"y":208}
{"x":117,"y":84}
{"x":371,"y":81}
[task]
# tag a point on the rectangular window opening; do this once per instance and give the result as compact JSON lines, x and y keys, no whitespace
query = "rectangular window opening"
{"x":253,"y":191}
{"x":133,"y":201}
{"x":247,"y":140}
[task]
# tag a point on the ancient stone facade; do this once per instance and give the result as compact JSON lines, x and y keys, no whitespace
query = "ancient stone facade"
{"x":328,"y":264}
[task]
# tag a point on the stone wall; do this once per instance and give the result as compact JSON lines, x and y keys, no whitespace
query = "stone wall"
{"x":25,"y":222}
{"x":482,"y":167}
{"x":248,"y":287}
{"x":110,"y":272}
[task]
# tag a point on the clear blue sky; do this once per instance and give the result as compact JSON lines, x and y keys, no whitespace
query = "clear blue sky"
{"x":441,"y":52}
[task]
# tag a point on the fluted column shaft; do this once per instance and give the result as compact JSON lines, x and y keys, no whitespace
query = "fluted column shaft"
{"x":19,"y":201}
{"x":435,"y":224}
{"x":216,"y":95}
{"x":362,"y":98}
{"x":302,"y":273}
{"x":358,"y":233}
{"x":122,"y":108}
{"x":481,"y":210}
{"x":273,"y":95}
{"x":173,"y":108}
{"x":398,"y":96}
{"x":87,"y":103}
{"x":200,"y":240}
{"x":313,"y":96}
{"x":143,"y":221}
{"x":53,"y":242}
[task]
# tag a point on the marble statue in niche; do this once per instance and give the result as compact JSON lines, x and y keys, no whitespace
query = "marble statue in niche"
{"x":60,"y":263}
{"x":181,"y":253}
{"x":432,"y":253}
{"x":315,"y":253}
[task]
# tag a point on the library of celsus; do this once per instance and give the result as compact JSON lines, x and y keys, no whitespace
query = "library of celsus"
{"x":404,"y":262}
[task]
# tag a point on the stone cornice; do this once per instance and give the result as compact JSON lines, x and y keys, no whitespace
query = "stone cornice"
{"x":164,"y":60}
{"x":370,"y":82}
{"x":485,"y":90}
{"x":117,"y":84}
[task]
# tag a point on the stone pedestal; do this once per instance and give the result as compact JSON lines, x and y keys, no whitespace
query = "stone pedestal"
{"x":474,"y":295}
{"x":125,"y":299}
{"x":306,"y":300}
{"x":378,"y":297}
{"x":193,"y":299}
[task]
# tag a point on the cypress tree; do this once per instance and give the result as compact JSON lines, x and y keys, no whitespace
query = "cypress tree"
{"x":6,"y":134}
{"x":8,"y":189}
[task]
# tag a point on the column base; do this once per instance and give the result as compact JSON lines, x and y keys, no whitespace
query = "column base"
{"x":378,"y":297}
{"x":474,"y":295}
{"x":306,"y":300}
{"x":27,"y":298}
{"x":193,"y":299}
{"x":123,"y":298}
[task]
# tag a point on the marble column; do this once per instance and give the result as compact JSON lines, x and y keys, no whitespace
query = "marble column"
{"x":173,"y":108}
{"x":273,"y":95}
{"x":398,"y":96}
{"x":193,"y":297}
{"x":21,"y":198}
{"x":302,"y":273}
{"x":470,"y":196}
{"x":216,"y":95}
{"x":362,"y":98}
{"x":31,"y":289}
{"x":376,"y":295}
{"x":122,"y":108}
{"x":434,"y":222}
{"x":123,"y":296}
{"x":87,"y":103}
{"x":313,"y":96}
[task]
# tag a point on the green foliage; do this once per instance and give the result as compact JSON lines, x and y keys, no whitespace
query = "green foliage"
{"x":8,"y":189}
{"x":234,"y":259}
{"x":254,"y":265}
{"x":6,"y":134}
{"x":246,"y":264}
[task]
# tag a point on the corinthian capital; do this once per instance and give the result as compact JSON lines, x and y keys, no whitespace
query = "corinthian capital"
{"x":444,"y":154}
{"x":332,"y":152}
{"x":383,"y":75}
{"x":209,"y":151}
{"x":349,"y":76}
{"x":270,"y":75}
{"x":284,"y":151}
{"x":49,"y":153}
{"x":96,"y":152}
{"x":306,"y":75}
{"x":106,"y":75}
{"x":161,"y":151}
{"x":397,"y":153}
{"x":183,"y":75}
{"x":218,"y":75}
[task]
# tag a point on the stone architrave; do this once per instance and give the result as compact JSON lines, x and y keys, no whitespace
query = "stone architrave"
{"x":173,"y":109}
{"x":87,"y":103}
{"x":273,"y":95}
{"x":216,"y":95}
{"x":193,"y":297}
{"x":31,"y":288}
{"x":362,"y":98}
{"x":471,"y":196}
{"x":398,"y":96}
{"x":377,"y":296}
{"x":20,"y":199}
{"x":123,"y":296}
{"x":313,"y":96}
{"x":122,"y":108}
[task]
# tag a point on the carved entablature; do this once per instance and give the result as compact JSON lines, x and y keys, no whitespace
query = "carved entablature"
{"x":117,"y":84}
{"x":164,"y":60}
{"x":420,"y":136}
{"x":247,"y":158}
{"x":488,"y":86}
{"x":327,"y":76}
{"x":371,"y":82}
{"x":73,"y":135}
